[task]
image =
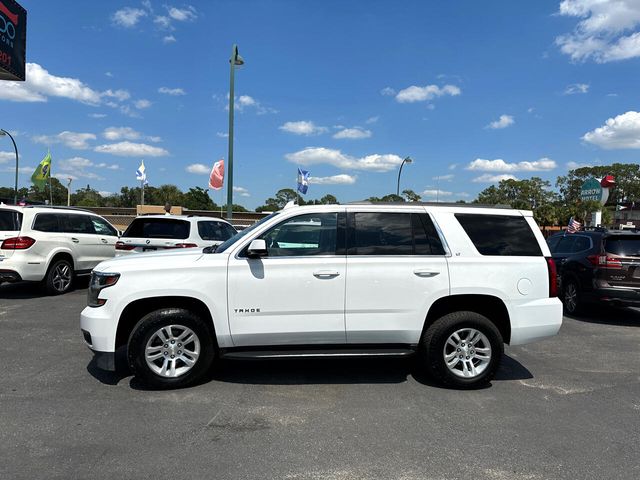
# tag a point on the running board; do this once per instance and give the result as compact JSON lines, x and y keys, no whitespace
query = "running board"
{"x":338,"y":353}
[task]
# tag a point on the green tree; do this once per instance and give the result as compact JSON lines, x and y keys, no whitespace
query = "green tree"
{"x":522,"y":194}
{"x":282,"y":197}
{"x":164,"y":194}
{"x":411,"y":196}
{"x":329,"y":199}
{"x":59,"y":193}
{"x":86,"y":197}
{"x":198,"y":199}
{"x":626,"y":189}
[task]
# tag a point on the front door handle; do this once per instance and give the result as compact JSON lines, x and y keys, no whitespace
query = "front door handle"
{"x":104,"y":240}
{"x":425,"y":273}
{"x":75,"y":240}
{"x":326,"y":274}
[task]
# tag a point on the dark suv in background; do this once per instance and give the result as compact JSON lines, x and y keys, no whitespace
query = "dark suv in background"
{"x":597,"y":265}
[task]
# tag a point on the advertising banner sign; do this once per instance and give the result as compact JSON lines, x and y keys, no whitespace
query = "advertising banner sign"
{"x":13,"y":40}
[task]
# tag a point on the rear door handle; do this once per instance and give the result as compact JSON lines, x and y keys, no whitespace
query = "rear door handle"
{"x":75,"y":240}
{"x":104,"y":240}
{"x":326,"y":274}
{"x":425,"y":273}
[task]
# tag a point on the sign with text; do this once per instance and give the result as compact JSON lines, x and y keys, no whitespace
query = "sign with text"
{"x":593,"y":190}
{"x":13,"y":40}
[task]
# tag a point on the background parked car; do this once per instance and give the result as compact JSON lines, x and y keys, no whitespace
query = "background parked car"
{"x":597,"y":266}
{"x":159,"y":232}
{"x":52,"y":244}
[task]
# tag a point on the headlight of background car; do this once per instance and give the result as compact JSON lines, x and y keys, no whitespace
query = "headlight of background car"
{"x":98,"y":282}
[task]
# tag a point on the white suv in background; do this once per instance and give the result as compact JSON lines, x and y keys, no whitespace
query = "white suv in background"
{"x":52,"y":244}
{"x":162,"y":232}
{"x":448,"y":283}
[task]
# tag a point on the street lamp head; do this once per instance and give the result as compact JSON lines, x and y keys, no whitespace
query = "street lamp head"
{"x":408,"y":160}
{"x":2,"y":132}
{"x":237,"y":59}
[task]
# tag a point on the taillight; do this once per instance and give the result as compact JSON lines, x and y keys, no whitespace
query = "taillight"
{"x":17,"y":243}
{"x":184,"y":245}
{"x":605,"y":261}
{"x":123,"y":246}
{"x":553,"y":277}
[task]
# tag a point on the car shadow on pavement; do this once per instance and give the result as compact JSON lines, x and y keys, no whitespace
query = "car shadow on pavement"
{"x":622,"y":317}
{"x":111,"y":378}
{"x":30,"y":290}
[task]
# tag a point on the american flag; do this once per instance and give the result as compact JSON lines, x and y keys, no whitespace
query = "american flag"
{"x":573,"y":226}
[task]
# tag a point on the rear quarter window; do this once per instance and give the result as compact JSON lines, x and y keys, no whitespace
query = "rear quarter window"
{"x":10,"y":221}
{"x":158,"y":228}
{"x":503,"y":235}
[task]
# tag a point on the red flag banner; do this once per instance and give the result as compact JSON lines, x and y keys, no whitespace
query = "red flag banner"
{"x":216,"y":178}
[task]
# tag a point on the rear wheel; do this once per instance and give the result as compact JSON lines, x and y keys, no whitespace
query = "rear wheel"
{"x":571,"y":297}
{"x":462,"y":349}
{"x":59,"y":278}
{"x":170,"y":348}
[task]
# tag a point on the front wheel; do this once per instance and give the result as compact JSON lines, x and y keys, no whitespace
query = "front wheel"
{"x":571,"y":297}
{"x":462,"y":349}
{"x":170,"y":348}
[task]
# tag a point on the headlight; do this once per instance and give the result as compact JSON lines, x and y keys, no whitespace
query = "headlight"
{"x":98,"y":282}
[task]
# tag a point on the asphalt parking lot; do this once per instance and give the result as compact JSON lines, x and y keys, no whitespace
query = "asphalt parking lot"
{"x":565,"y":408}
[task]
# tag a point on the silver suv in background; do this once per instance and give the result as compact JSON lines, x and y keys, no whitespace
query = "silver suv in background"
{"x":162,"y":232}
{"x":52,"y":244}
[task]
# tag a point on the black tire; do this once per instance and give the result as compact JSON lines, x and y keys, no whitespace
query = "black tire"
{"x":146,"y":331}
{"x":59,"y":278}
{"x":434,"y":343}
{"x":571,"y":297}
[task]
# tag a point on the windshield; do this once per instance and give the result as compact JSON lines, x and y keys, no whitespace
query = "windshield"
{"x":10,"y":221}
{"x":223,"y":246}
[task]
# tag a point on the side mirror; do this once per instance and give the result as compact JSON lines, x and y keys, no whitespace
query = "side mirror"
{"x":257,"y":248}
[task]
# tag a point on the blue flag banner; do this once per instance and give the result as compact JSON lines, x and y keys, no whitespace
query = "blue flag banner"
{"x":303,"y":181}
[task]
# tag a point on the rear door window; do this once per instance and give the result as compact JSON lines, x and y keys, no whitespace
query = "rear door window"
{"x":383,"y":233}
{"x":215,"y":231}
{"x":47,"y":222}
{"x":504,"y":235}
{"x":158,"y":228}
{"x":623,"y":245}
{"x":10,"y":221}
{"x":102,"y":227}
{"x":77,"y":224}
{"x":580,"y":244}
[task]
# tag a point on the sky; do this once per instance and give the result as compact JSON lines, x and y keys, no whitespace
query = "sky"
{"x":473,"y":92}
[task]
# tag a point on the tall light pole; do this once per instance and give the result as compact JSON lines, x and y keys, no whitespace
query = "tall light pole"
{"x":69,"y":191}
{"x":406,"y":160}
{"x":15,"y":148}
{"x":235,"y":59}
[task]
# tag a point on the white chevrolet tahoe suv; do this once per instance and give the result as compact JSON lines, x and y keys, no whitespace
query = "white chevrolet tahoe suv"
{"x":449,"y":283}
{"x":52,"y":245}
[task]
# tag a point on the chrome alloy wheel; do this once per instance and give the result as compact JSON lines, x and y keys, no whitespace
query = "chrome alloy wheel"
{"x":172,"y":351}
{"x":61,"y":277}
{"x":571,"y":297}
{"x":467,"y":352}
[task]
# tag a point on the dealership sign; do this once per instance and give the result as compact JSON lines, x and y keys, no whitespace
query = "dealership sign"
{"x":13,"y":40}
{"x":593,"y":189}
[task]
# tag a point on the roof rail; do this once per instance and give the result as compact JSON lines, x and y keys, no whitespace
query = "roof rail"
{"x":58,"y":207}
{"x":432,"y":204}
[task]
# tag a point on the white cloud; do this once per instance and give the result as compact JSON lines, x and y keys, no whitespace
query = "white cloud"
{"x":5,"y":157}
{"x":40,"y":84}
{"x":198,"y":168}
{"x":128,"y":17}
{"x":575,"y":88}
{"x":163,"y":22}
{"x":453,"y":166}
{"x":488,"y":178}
{"x":574,"y":165}
{"x":120,"y":133}
{"x":129,"y":149}
{"x":605,"y":31}
{"x":183,"y":14}
{"x":446,"y":178}
{"x":245,"y":102}
{"x":172,"y":91}
{"x":222,"y":134}
{"x":320,"y":155}
{"x":388,"y":92}
{"x":142,"y":104}
{"x":620,"y":132}
{"x":104,"y":193}
{"x":75,"y":140}
{"x":436,"y":193}
{"x":428,"y":92}
{"x":243,"y":192}
{"x":371,"y":120}
{"x":120,"y":95}
{"x":303,"y":128}
{"x":97,"y":115}
{"x":63,"y":177}
{"x":75,"y":163}
{"x":499,"y":165}
{"x":169,"y":39}
{"x":341,"y":179}
{"x":353,"y":133}
{"x":79,"y":166}
{"x":503,"y":122}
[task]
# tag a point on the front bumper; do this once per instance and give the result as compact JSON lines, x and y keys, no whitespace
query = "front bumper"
{"x":105,"y":360}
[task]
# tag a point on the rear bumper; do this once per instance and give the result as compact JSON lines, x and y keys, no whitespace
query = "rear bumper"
{"x":535,"y":320}
{"x":615,"y":296}
{"x":9,"y":276}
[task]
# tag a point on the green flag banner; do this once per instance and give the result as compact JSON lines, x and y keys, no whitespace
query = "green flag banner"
{"x":42,"y":173}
